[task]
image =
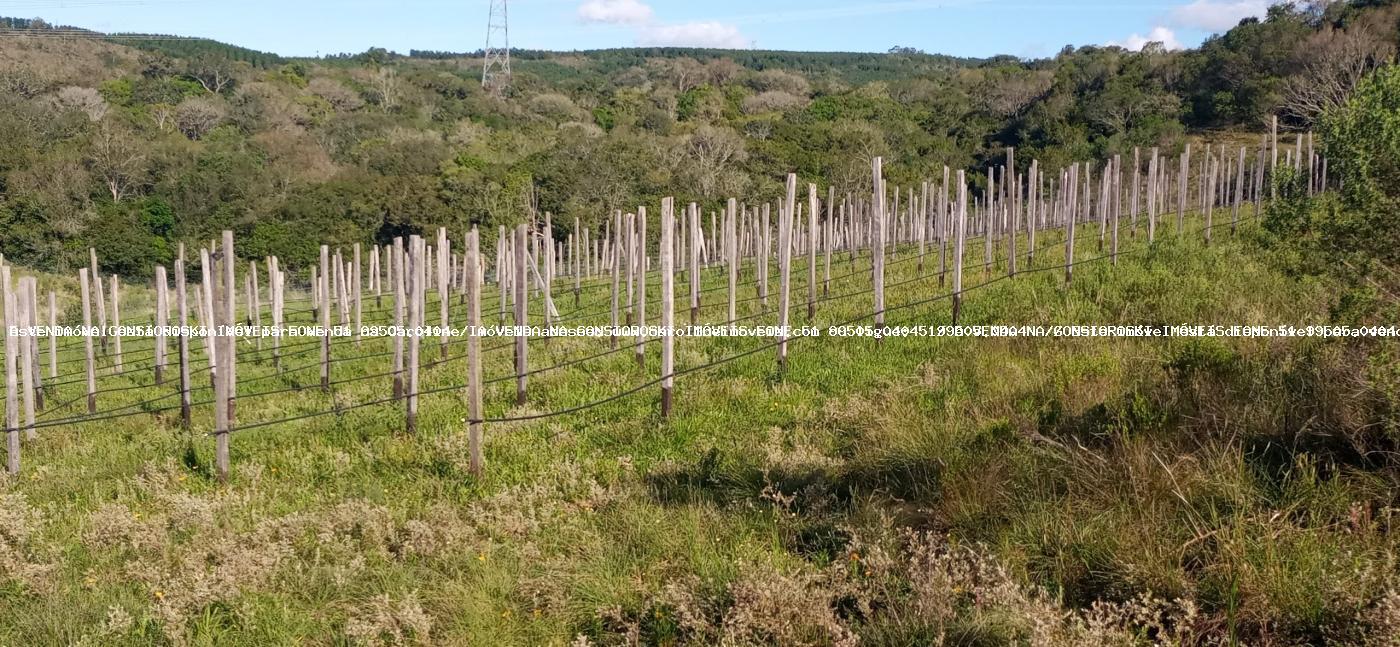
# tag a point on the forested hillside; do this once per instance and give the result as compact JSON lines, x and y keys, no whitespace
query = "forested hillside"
{"x":131,"y":143}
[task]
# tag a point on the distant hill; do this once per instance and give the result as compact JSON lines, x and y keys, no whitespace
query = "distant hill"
{"x":135,"y":142}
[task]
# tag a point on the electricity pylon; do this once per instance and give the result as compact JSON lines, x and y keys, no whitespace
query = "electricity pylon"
{"x":495,"y":72}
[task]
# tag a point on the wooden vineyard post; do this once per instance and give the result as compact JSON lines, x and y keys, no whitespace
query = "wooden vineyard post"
{"x":161,"y":321}
{"x":417,"y":302}
{"x":274,"y":288}
{"x":221,"y":421}
{"x":474,"y":386}
{"x":1181,"y":181}
{"x":578,"y":255}
{"x":616,"y":263}
{"x":829,"y":238}
{"x":920,"y":223}
{"x":1152,"y":172}
{"x":375,"y":277}
{"x":694,"y":218}
{"x":1273,"y":149}
{"x":785,"y":214}
{"x":97,"y":294}
{"x":878,"y":244}
{"x":397,"y":261}
{"x":1072,"y":214}
{"x":944,"y":227}
{"x":323,"y":287}
{"x":86,"y":292}
{"x":11,"y":386}
{"x":1239,"y":192}
{"x":1032,"y":221}
{"x":337,"y":288}
{"x":1105,"y":186}
{"x":204,"y":298}
{"x":641,"y":255}
{"x":36,"y":370}
{"x":183,"y":341}
{"x":504,"y":275}
{"x":53,"y":335}
{"x":1208,"y":193}
{"x":116,"y":324}
{"x":960,"y":239}
{"x":1117,"y":205}
{"x":26,"y":359}
{"x":812,"y":237}
{"x":444,"y":252}
{"x":229,"y":354}
{"x":988,"y":224}
{"x":731,"y":254}
{"x":762,"y":258}
{"x":521,"y":295}
{"x":357,"y":284}
{"x":254,"y":304}
{"x":668,"y":302}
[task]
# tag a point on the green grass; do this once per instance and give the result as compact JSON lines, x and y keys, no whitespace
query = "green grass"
{"x":768,"y":508}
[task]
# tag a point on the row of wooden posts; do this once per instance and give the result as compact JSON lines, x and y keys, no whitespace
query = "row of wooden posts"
{"x":528,"y":257}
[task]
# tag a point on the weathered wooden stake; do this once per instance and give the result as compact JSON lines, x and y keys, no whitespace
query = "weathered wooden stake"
{"x":116,"y":323}
{"x":26,"y":359}
{"x":86,"y":289}
{"x":695,"y":244}
{"x":11,"y":385}
{"x":417,"y":301}
{"x":641,"y":286}
{"x":324,"y":288}
{"x":397,"y":259}
{"x":161,"y":319}
{"x":813,"y":209}
{"x":444,"y":253}
{"x":474,"y":386}
{"x":183,"y":341}
{"x":668,"y":302}
{"x":521,"y":315}
{"x":785,"y":216}
{"x":960,"y":238}
{"x":878,"y":236}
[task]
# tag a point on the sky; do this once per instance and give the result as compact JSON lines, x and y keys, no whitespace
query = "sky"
{"x":976,"y":28}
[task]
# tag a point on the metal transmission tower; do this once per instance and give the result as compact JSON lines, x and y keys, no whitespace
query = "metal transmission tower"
{"x":495,"y":72}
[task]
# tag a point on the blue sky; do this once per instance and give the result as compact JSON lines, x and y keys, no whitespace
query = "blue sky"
{"x":1026,"y":28}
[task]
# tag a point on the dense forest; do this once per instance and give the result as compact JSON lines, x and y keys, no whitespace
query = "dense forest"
{"x":130,"y":143}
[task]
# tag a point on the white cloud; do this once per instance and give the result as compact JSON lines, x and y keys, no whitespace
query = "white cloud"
{"x":1217,"y":15}
{"x":693,"y":34}
{"x":653,"y":33}
{"x":1158,"y":35}
{"x":617,"y":12}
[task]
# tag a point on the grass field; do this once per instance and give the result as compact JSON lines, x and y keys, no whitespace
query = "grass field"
{"x":920,"y":490}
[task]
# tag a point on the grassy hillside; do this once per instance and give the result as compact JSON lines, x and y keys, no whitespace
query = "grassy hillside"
{"x":958,"y":489}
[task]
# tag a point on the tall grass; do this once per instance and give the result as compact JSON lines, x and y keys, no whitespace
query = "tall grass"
{"x":958,"y":490}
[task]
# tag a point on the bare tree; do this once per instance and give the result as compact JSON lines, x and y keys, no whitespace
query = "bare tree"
{"x":1333,"y":62}
{"x":722,"y":70}
{"x":21,"y":81}
{"x":853,"y":145}
{"x":340,"y":97}
{"x":1007,"y":94}
{"x":85,"y":100}
{"x":197,"y":116}
{"x":386,"y":88}
{"x":117,"y":161}
{"x":215,"y":73}
{"x":683,"y":73}
{"x":163,"y":114}
{"x":775,"y":79}
{"x":710,"y":155}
